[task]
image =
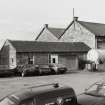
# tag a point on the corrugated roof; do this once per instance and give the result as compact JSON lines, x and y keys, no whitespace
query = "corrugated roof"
{"x":97,"y":28}
{"x":56,"y":31}
{"x":32,"y":46}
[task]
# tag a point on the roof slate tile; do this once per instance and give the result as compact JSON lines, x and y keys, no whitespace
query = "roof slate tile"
{"x":32,"y":46}
{"x":97,"y":28}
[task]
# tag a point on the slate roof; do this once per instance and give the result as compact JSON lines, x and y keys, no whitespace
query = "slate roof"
{"x":97,"y":28}
{"x":57,"y":32}
{"x":32,"y":46}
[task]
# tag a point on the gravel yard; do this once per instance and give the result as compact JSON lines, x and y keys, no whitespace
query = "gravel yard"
{"x":78,"y":80}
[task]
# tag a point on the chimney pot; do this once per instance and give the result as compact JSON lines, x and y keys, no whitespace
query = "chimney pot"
{"x":46,"y":25}
{"x":75,"y":18}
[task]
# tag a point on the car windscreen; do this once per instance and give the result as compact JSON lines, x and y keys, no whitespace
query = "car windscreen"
{"x":7,"y":101}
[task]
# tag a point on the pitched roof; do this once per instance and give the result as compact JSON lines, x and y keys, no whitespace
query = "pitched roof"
{"x":97,"y":28}
{"x":57,"y":32}
{"x":32,"y":46}
{"x":66,"y":29}
{"x":40,"y":33}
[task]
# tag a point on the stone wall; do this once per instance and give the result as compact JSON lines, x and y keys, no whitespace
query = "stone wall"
{"x":47,"y":36}
{"x":78,"y":33}
{"x":38,"y":58}
{"x":8,"y":55}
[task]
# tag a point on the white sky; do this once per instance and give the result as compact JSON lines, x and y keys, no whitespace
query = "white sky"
{"x":23,"y":19}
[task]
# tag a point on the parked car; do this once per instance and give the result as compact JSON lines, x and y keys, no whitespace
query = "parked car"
{"x":49,"y":94}
{"x":44,"y":69}
{"x":26,"y":70}
{"x":58,"y":68}
{"x":7,"y":72}
{"x":94,"y":95}
{"x":52,"y":69}
{"x":41,"y":69}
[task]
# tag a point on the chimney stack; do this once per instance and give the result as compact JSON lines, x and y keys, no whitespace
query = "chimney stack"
{"x":46,"y":25}
{"x":75,"y":18}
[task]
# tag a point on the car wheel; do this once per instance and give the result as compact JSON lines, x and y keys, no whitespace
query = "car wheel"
{"x":53,"y":71}
{"x":62,"y":72}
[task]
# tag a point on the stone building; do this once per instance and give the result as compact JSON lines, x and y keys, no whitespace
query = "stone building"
{"x":90,"y":33}
{"x":49,"y":34}
{"x":15,"y":53}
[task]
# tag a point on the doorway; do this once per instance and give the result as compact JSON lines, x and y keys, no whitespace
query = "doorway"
{"x":54,"y":58}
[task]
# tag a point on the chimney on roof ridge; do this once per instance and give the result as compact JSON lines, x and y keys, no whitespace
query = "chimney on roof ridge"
{"x":46,"y":25}
{"x":75,"y":18}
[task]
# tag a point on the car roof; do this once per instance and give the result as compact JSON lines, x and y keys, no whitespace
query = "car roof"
{"x":42,"y":92}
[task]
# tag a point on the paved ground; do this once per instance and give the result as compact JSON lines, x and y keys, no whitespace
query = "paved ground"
{"x":78,"y":80}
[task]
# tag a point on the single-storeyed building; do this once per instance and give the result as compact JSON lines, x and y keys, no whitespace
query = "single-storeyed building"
{"x":14,"y":53}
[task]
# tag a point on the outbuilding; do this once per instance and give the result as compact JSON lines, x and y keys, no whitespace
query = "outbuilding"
{"x":14,"y":53}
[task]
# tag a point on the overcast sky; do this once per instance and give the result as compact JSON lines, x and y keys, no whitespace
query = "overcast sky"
{"x":23,"y":19}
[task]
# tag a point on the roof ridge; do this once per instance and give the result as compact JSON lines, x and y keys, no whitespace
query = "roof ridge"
{"x":56,"y":28}
{"x":23,"y":40}
{"x":92,"y":22}
{"x":66,"y":29}
{"x":40,"y":33}
{"x":43,"y":41}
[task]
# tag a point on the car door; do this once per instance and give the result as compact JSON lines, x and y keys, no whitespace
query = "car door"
{"x":60,"y":100}
{"x":31,"y":101}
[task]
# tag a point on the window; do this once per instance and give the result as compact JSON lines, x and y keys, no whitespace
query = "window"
{"x":101,"y":42}
{"x":30,"y":60}
{"x":66,"y":101}
{"x":12,"y":60}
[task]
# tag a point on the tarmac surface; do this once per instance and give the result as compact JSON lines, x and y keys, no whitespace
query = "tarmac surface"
{"x":79,"y":80}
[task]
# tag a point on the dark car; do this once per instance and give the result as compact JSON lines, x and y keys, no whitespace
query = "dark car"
{"x":50,"y":94}
{"x":7,"y":72}
{"x":44,"y":69}
{"x":27,"y":70}
{"x":58,"y":68}
{"x":94,"y":95}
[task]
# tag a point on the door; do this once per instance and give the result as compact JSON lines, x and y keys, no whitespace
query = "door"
{"x":70,"y":61}
{"x":54,"y":58}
